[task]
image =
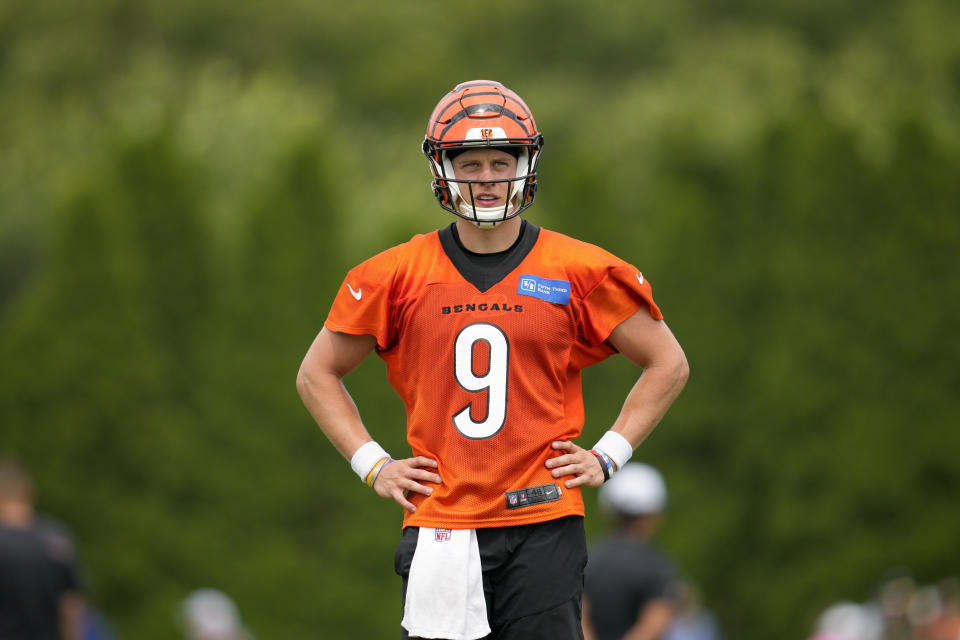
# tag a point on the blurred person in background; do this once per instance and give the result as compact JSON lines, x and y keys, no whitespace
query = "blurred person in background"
{"x":95,"y":626}
{"x":485,"y":326}
{"x":903,"y":610}
{"x":692,"y":621}
{"x":210,"y":614}
{"x":849,"y":621}
{"x":40,"y":596}
{"x":631,"y":589}
{"x":935,"y":611}
{"x":894,"y":597}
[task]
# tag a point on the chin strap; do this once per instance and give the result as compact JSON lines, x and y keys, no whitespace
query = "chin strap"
{"x":482,"y":224}
{"x":472,"y":213}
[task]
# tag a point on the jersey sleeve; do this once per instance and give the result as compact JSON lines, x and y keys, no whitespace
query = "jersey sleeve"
{"x":620,"y":293}
{"x":362,"y":304}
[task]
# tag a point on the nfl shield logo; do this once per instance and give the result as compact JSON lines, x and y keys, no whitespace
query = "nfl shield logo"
{"x":513,"y":498}
{"x":441,"y":535}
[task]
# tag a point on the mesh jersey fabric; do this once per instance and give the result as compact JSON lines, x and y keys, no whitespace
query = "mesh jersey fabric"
{"x":489,"y":378}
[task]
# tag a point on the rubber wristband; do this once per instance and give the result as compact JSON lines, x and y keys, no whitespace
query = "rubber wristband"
{"x":376,"y":471}
{"x":366,"y":458}
{"x":603,"y":465}
{"x":610,"y":465}
{"x":616,"y":446}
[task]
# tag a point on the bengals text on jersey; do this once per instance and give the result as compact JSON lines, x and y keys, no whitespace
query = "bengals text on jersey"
{"x":486,"y":354}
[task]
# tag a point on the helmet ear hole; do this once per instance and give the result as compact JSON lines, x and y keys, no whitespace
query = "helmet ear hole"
{"x":441,"y":192}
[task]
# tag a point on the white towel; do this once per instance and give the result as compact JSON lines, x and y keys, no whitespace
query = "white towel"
{"x":445,"y":587}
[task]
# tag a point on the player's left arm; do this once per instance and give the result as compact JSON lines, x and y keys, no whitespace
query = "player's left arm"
{"x":651,"y":345}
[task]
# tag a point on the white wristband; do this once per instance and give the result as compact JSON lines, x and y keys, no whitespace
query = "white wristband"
{"x":366,"y":459}
{"x":616,"y":446}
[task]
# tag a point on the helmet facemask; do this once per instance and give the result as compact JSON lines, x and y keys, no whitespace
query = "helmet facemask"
{"x":482,"y":114}
{"x":461,"y":200}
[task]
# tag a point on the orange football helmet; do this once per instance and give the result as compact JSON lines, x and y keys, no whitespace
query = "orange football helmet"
{"x":482,"y":113}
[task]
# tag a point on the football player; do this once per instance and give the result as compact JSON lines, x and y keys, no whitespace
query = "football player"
{"x":485,"y":326}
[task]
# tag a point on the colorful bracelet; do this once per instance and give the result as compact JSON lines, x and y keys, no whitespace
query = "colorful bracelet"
{"x":605,"y":463}
{"x":377,"y":468}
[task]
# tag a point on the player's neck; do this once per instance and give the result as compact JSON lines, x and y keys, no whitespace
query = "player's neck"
{"x":642,"y":527}
{"x":500,"y":238}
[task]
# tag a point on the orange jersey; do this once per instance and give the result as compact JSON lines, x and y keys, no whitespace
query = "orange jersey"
{"x":487,"y":360}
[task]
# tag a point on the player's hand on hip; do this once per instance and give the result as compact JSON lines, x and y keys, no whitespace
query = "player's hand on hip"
{"x":398,"y":477}
{"x":577,"y":462}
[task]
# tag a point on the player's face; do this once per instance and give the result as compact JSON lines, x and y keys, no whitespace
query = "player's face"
{"x":485,"y":165}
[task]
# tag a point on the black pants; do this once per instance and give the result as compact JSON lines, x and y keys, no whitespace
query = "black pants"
{"x":532,"y":578}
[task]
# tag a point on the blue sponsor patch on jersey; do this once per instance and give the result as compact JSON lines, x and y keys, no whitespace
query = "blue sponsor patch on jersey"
{"x":556,"y":291}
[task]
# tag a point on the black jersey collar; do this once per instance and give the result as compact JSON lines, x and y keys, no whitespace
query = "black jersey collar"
{"x":483,"y":270}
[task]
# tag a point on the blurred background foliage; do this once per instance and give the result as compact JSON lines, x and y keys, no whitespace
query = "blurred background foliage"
{"x":183,"y":186}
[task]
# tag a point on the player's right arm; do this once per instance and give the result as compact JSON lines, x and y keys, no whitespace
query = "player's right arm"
{"x":653,"y":621}
{"x":320,"y":383}
{"x":71,"y":607}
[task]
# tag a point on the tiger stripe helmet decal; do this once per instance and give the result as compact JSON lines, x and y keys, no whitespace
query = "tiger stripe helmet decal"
{"x":482,"y":113}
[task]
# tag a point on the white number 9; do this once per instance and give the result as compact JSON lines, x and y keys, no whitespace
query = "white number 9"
{"x":494,"y":381}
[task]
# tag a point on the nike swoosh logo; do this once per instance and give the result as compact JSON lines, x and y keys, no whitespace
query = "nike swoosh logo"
{"x":356,"y":294}
{"x":639,"y":277}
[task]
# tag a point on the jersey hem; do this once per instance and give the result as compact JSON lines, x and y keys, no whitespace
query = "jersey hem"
{"x":608,"y":331}
{"x":354,"y":331}
{"x":489,"y":524}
